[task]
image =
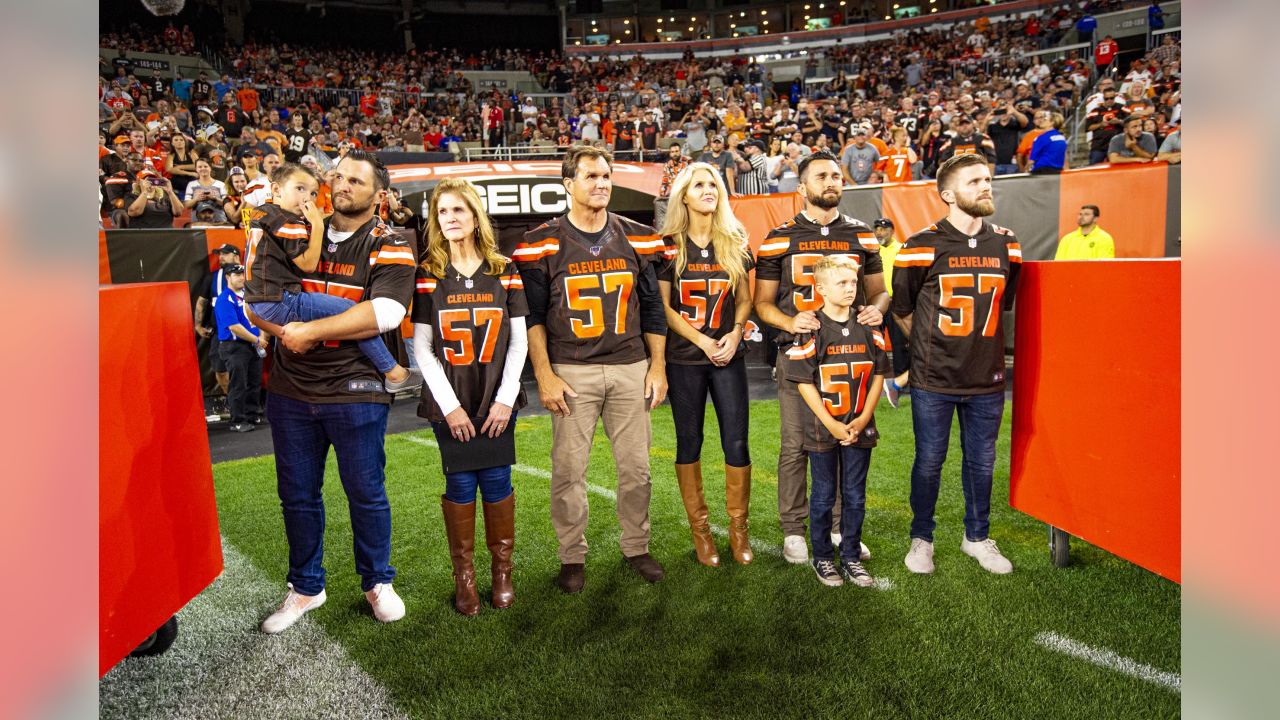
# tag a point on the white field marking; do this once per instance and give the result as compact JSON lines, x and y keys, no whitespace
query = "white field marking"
{"x":1105,"y":658}
{"x":760,"y":546}
{"x":223,"y":666}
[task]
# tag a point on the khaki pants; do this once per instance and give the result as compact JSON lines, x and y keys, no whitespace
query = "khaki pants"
{"x":793,"y":461}
{"x":614,"y":393}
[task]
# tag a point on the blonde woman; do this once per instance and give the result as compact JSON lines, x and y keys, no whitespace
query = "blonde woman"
{"x":469,"y":337}
{"x":708,"y":301}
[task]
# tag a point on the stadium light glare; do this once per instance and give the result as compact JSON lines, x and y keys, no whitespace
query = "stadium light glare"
{"x":626,"y":22}
{"x":764,"y":12}
{"x":733,"y":25}
{"x":690,"y":28}
{"x":766,"y":22}
{"x":806,"y":7}
{"x":659,"y":21}
{"x":806,"y":17}
{"x":896,"y":6}
{"x":742,"y":14}
{"x":735,"y":34}
{"x":934,"y":10}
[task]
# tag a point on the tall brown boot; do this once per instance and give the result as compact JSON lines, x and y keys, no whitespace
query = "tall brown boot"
{"x":460,"y":527}
{"x":737,"y":496}
{"x":704,"y":543}
{"x":500,"y":536}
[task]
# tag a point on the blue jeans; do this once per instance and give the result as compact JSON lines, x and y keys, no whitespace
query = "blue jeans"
{"x":302,"y":434}
{"x":494,"y":483}
{"x":1006,"y":169}
{"x":1097,"y":156}
{"x":980,"y":417}
{"x":850,"y":465}
{"x":305,"y":307}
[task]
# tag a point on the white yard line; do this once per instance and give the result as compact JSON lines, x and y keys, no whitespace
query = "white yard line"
{"x":1105,"y":658}
{"x":760,"y":546}
{"x":223,"y":666}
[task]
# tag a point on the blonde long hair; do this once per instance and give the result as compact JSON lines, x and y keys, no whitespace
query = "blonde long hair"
{"x":728,"y":236}
{"x":438,"y":245}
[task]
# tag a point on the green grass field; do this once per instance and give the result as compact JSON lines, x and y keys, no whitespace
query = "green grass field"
{"x":765,"y":640}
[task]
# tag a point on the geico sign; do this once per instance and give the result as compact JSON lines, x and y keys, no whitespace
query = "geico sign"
{"x":527,"y":198}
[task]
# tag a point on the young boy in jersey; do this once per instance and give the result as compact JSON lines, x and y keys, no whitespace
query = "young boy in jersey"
{"x":286,"y":236}
{"x":838,"y":369}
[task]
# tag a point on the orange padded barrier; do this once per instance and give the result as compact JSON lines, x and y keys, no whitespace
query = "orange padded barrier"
{"x":1132,"y":201}
{"x":913,"y":207}
{"x":762,"y":213}
{"x":1096,"y":405}
{"x":158,"y":523}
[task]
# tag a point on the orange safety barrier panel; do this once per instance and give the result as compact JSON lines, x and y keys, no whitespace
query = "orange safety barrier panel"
{"x":1132,"y":200}
{"x":913,"y":207}
{"x":215,"y":238}
{"x":158,"y":523}
{"x":762,"y":213}
{"x":104,"y":263}
{"x":1096,"y":405}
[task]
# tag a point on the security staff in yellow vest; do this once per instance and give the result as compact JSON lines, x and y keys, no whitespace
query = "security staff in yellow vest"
{"x":1087,"y":242}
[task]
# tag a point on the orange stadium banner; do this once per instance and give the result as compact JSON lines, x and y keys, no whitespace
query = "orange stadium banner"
{"x":1133,"y":201}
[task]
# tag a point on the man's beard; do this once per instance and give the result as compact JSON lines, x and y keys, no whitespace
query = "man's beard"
{"x":976,"y":208}
{"x":822,"y":201}
{"x":352,"y":206}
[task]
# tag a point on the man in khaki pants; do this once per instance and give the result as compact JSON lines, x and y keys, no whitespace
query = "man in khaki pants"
{"x":597,"y":337}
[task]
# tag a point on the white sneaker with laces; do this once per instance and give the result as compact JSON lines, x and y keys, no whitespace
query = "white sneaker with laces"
{"x":387,"y":605}
{"x":988,"y":555}
{"x":295,"y":605}
{"x":794,"y":550}
{"x":920,"y":557}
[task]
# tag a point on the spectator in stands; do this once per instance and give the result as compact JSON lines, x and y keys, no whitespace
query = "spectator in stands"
{"x":967,"y":140}
{"x":723,"y":160}
{"x":1105,"y":122}
{"x":258,"y":191}
{"x":753,"y":174}
{"x":233,"y":204}
{"x":1105,"y":53}
{"x":1133,"y":145}
{"x":787,"y":172}
{"x":230,"y":117}
{"x":931,"y":141}
{"x":204,"y":187}
{"x":1171,"y":148}
{"x":859,"y":158}
{"x":152,"y":203}
{"x":1088,"y":241}
{"x":180,"y":164}
{"x":208,"y":213}
{"x":242,"y":347}
{"x":1007,"y":123}
{"x":1048,"y":154}
{"x":676,"y":161}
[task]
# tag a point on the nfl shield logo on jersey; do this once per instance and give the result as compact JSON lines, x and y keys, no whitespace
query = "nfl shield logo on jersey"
{"x":973,"y":242}
{"x":595,"y":250}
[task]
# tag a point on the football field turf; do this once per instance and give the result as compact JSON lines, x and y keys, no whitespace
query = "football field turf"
{"x":1099,"y":639}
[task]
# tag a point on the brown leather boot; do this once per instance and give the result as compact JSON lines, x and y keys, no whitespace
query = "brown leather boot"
{"x":460,"y":527}
{"x":737,"y":496}
{"x":500,"y":536}
{"x":695,"y":506}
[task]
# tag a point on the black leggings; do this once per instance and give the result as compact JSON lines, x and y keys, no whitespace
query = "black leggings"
{"x":688,"y":386}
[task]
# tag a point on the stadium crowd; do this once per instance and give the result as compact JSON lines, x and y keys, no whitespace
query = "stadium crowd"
{"x":972,"y":87}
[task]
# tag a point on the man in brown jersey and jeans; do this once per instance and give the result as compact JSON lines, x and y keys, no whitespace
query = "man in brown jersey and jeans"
{"x":597,"y":340}
{"x":785,"y":298}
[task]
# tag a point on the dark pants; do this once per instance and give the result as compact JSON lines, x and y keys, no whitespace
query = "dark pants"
{"x":688,"y":386}
{"x":245,"y":367}
{"x":302,"y":434}
{"x":980,"y":417}
{"x":901,"y":347}
{"x":846,"y":466}
{"x":1097,"y":156}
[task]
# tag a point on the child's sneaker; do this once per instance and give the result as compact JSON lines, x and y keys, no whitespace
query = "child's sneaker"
{"x":414,"y":380}
{"x":920,"y":558}
{"x":891,"y":390}
{"x":854,"y":572}
{"x":827,"y":573}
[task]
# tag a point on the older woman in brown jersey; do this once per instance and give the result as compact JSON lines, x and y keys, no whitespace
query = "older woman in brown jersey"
{"x":469,"y":336}
{"x":708,"y":302}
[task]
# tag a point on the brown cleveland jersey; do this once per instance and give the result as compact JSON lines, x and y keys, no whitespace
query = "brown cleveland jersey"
{"x":790,"y":251}
{"x":374,"y":262}
{"x":704,"y":298}
{"x":593,"y":313}
{"x":840,"y":360}
{"x":955,"y":287}
{"x":276,"y":237}
{"x":470,"y":319}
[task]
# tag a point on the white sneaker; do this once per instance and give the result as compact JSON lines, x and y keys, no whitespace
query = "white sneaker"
{"x":864,"y":554}
{"x":387,"y":605}
{"x":794,"y":550}
{"x":988,"y":555}
{"x":295,"y":605}
{"x":920,"y":558}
